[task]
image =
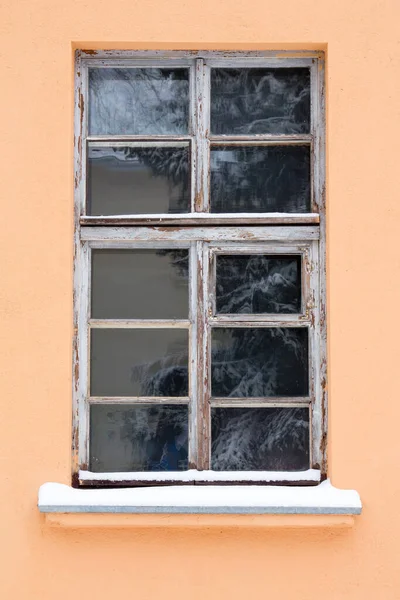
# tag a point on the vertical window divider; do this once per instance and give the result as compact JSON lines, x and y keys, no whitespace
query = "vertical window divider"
{"x":195,"y":357}
{"x":201,"y":124}
{"x":204,"y":359}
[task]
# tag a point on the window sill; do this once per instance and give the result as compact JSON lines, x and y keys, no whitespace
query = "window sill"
{"x":193,"y":477}
{"x":320,"y":505}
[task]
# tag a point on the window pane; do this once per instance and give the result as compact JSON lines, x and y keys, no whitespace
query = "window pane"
{"x":260,"y":179}
{"x":258,"y":283}
{"x":138,"y":438}
{"x":139,"y":362}
{"x":138,"y":101}
{"x":260,"y":439}
{"x":140,"y":180}
{"x":140,"y":284}
{"x":256,"y":101}
{"x":259,"y":362}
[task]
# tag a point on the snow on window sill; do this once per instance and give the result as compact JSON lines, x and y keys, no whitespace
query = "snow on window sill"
{"x":285,"y":505}
{"x":311,"y":476}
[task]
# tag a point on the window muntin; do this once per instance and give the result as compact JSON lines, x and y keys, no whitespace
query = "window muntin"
{"x":296,"y":319}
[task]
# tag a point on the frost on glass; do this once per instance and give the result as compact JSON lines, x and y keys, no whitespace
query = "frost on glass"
{"x":259,"y":362}
{"x":260,"y":101}
{"x":260,"y":179}
{"x":258,"y":283}
{"x":139,"y":362}
{"x":138,"y":438}
{"x":260,"y":439}
{"x":145,"y":180}
{"x":134,"y":101}
{"x":140,"y":284}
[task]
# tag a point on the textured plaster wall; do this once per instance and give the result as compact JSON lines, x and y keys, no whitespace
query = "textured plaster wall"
{"x":363,"y":90}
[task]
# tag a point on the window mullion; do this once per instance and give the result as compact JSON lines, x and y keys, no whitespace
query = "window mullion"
{"x":201,"y":125}
{"x":202,"y":368}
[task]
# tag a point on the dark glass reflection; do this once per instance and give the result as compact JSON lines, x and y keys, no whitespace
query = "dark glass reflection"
{"x":260,"y":179}
{"x":260,"y":439}
{"x":138,"y":438}
{"x":255,"y":284}
{"x":256,"y":101}
{"x":143,"y":180}
{"x":139,"y":362}
{"x":135,"y":101}
{"x":140,"y":284}
{"x":259,"y":362}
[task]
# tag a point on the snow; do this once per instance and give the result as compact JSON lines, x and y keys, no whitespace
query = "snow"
{"x":196,"y":216}
{"x":320,"y":499}
{"x":193,"y":475}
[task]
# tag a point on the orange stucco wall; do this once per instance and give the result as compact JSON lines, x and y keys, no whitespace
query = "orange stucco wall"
{"x":38,"y":38}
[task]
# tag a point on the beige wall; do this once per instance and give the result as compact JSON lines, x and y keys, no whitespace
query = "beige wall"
{"x":363,"y":60}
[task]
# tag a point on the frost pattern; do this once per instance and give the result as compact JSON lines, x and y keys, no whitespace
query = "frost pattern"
{"x":255,"y":101}
{"x":260,"y":179}
{"x":260,"y":439}
{"x":258,"y":284}
{"x":259,"y":362}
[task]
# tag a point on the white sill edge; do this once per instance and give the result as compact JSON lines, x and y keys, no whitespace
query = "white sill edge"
{"x":322,"y":499}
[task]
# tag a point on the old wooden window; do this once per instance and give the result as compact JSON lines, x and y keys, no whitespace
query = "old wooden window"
{"x":199,"y":350}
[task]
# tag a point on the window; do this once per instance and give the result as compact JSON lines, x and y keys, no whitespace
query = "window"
{"x":200,"y":339}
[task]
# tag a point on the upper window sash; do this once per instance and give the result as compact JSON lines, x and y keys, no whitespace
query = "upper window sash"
{"x":201,"y":146}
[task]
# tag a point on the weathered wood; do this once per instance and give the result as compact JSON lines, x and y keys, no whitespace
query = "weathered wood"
{"x":116,"y":142}
{"x":202,"y":113}
{"x":321,"y":389}
{"x":196,"y":219}
{"x":261,"y":140}
{"x":150,"y":140}
{"x":139,"y":323}
{"x":277,"y":402}
{"x":204,"y":360}
{"x":205,"y":234}
{"x":223,"y":58}
{"x":137,"y":400}
{"x":194,"y":358}
{"x":246,"y":234}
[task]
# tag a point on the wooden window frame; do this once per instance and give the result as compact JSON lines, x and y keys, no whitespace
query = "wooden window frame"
{"x":205,"y":235}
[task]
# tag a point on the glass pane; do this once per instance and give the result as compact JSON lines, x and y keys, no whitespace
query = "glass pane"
{"x":138,"y":101}
{"x":259,"y":362}
{"x":258,"y":283}
{"x":136,"y":180}
{"x":260,"y":179}
{"x":260,"y":439}
{"x":139,"y":362}
{"x":138,"y":438}
{"x":256,"y":101}
{"x":140,"y":284}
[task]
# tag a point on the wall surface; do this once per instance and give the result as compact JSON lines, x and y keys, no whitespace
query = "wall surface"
{"x":38,"y":39}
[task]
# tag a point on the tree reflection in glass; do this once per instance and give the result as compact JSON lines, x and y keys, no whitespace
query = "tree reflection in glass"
{"x":138,"y":101}
{"x":254,"y":101}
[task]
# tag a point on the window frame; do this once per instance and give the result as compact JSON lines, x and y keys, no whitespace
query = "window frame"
{"x":205,"y":234}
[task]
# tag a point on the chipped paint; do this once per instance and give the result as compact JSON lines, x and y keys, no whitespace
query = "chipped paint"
{"x":199,"y":231}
